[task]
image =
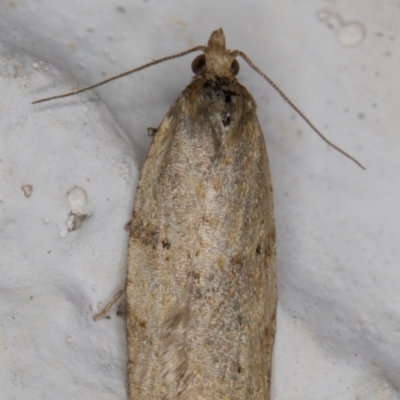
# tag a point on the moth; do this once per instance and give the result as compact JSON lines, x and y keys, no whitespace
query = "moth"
{"x":201,"y":283}
{"x":201,"y":287}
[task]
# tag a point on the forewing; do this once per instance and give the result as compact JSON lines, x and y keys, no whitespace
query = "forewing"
{"x":201,"y":290}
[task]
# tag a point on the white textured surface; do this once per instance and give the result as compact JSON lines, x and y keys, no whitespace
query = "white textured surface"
{"x":337,"y":226}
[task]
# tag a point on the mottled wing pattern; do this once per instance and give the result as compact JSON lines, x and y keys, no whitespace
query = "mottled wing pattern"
{"x":201,"y":285}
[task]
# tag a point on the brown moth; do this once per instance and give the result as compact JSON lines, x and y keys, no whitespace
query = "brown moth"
{"x":201,"y":283}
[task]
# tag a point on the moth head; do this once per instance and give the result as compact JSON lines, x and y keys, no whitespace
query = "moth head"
{"x":216,"y":60}
{"x":199,"y":65}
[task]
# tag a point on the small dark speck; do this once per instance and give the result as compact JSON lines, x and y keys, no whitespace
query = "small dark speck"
{"x":286,"y":194}
{"x":226,"y":120}
{"x":388,"y":53}
{"x":374,"y":105}
{"x":379,"y":34}
{"x":121,"y":310}
{"x":166,"y":244}
{"x":228,"y":98}
{"x":377,"y":73}
{"x":49,"y":252}
{"x":121,"y":9}
{"x":361,"y":116}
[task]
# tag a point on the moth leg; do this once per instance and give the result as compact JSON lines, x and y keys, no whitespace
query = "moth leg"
{"x":109,"y":305}
{"x":152,"y":131}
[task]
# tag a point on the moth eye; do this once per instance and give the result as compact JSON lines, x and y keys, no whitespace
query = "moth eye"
{"x":235,"y":67}
{"x":198,"y":64}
